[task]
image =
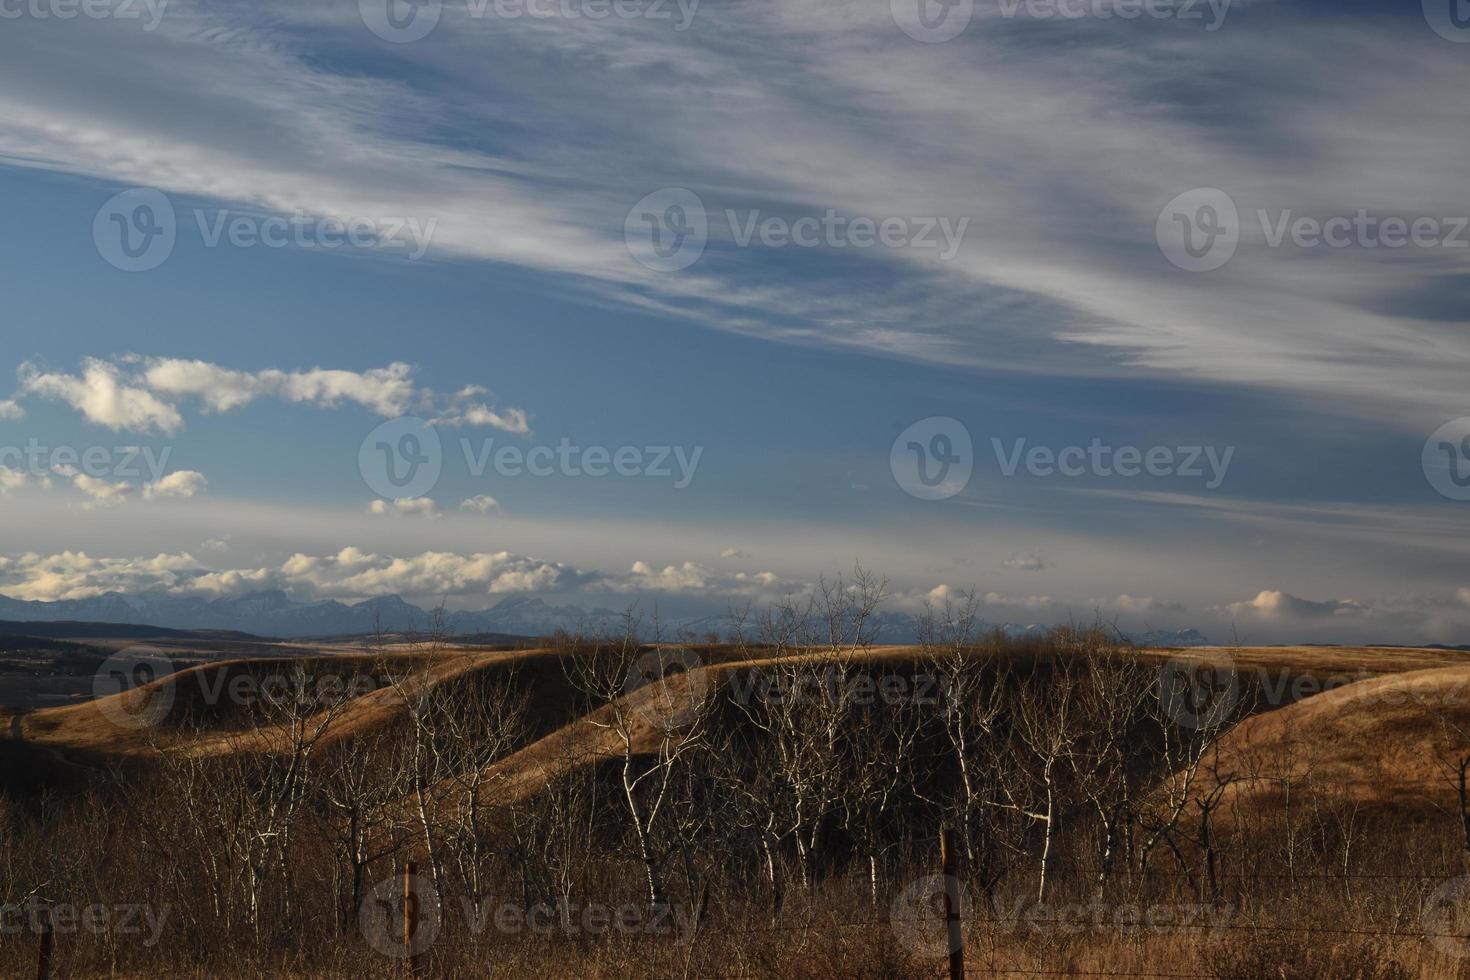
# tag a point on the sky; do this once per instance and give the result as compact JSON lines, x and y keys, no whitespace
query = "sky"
{"x":1148,"y":311}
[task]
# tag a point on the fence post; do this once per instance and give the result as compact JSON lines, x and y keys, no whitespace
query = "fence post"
{"x":43,"y":960}
{"x":952,"y":906}
{"x":412,"y":962}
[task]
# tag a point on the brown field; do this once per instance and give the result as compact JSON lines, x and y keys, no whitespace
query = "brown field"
{"x":1317,"y":829}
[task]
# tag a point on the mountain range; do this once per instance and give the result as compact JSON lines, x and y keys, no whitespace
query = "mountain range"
{"x":274,"y":613}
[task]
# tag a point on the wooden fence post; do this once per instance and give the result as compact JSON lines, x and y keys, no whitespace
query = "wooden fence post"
{"x":952,"y":906}
{"x":43,"y":960}
{"x":413,"y":962}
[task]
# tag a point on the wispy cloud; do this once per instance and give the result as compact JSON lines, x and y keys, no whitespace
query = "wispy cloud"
{"x":1059,"y":271}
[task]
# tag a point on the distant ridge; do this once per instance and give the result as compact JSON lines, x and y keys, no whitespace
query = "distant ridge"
{"x":274,"y":614}
{"x":77,"y":629}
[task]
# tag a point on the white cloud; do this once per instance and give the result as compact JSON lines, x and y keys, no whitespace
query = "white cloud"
{"x":692,"y":578}
{"x":104,"y":397}
{"x":1277,"y":605}
{"x":346,"y":143}
{"x":1024,"y":562}
{"x":734,"y":553}
{"x":10,"y":409}
{"x":350,"y":574}
{"x":143,"y":394}
{"x":482,"y":504}
{"x":11,"y":479}
{"x":102,"y":493}
{"x":467,"y":407}
{"x":180,"y":483}
{"x":415,"y":507}
{"x":109,"y":493}
{"x":76,"y":575}
{"x":353,"y":573}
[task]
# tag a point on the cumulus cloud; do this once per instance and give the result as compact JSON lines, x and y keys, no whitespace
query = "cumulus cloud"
{"x":102,"y":492}
{"x":353,"y":573}
{"x":104,"y":396}
{"x":76,"y":575}
{"x":692,"y":578}
{"x":469,"y":407}
{"x":11,"y":479}
{"x":387,"y":391}
{"x":482,"y":503}
{"x":350,"y":574}
{"x":10,"y":409}
{"x":180,"y":483}
{"x":143,"y":394}
{"x":416,"y":507}
{"x":1276,"y":605}
{"x":734,"y":553}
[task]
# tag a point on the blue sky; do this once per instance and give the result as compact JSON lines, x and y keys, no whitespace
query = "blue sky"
{"x":1053,"y":151}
